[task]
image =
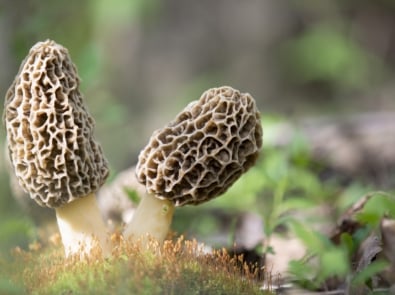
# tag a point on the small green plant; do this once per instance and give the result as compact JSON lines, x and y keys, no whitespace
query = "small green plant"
{"x":286,"y":181}
{"x":179,"y":267}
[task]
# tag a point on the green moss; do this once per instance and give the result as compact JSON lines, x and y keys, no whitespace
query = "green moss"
{"x":175,"y":268}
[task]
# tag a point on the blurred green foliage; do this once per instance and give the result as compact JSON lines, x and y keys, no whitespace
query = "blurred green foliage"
{"x":16,"y":229}
{"x":285,"y":181}
{"x":329,"y":260}
{"x":381,"y":204}
{"x":324,"y":53}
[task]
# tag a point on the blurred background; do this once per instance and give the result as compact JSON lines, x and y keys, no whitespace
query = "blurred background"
{"x":142,"y":61}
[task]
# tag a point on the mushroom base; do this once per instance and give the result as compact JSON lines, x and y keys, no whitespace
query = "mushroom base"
{"x":82,"y":228}
{"x":151,"y":220}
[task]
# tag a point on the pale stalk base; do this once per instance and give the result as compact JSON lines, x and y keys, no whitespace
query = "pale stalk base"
{"x":151,"y":220}
{"x":82,"y":228}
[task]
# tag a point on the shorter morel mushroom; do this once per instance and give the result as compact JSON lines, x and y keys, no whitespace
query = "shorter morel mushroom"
{"x":195,"y":158}
{"x":51,"y":145}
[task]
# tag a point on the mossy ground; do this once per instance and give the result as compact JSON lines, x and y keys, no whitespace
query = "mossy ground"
{"x":176,"y":267}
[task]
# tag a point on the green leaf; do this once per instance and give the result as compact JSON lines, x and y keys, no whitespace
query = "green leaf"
{"x":367,"y":273}
{"x":304,"y":273}
{"x":314,"y":241}
{"x":376,"y":207}
{"x":244,"y":192}
{"x":334,"y":261}
{"x":269,"y":250}
{"x":283,"y":220}
{"x":294,"y":203}
{"x":276,"y":167}
{"x":133,"y":195}
{"x":348,"y":242}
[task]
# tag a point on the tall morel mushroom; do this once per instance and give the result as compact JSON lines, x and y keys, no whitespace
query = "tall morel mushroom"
{"x":195,"y":158}
{"x":51,"y":145}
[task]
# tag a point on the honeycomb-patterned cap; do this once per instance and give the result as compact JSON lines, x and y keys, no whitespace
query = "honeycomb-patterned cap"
{"x":49,"y":131}
{"x":204,"y":150}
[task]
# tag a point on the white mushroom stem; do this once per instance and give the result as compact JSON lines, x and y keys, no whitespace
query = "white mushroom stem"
{"x":82,"y":228}
{"x":151,"y":220}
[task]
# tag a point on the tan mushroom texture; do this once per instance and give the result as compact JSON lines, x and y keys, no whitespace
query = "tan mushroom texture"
{"x":196,"y":157}
{"x":51,"y":145}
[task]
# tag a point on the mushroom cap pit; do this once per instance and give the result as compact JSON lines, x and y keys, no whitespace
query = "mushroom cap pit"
{"x":49,"y":130}
{"x":204,"y":150}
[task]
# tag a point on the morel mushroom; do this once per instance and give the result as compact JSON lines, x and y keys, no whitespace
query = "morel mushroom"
{"x":51,"y":145}
{"x":195,"y":158}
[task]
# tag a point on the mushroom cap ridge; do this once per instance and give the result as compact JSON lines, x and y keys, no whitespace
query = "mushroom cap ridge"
{"x":204,"y":150}
{"x":49,"y":130}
